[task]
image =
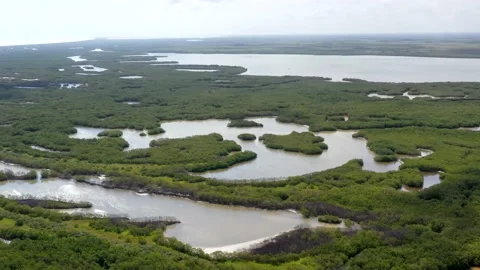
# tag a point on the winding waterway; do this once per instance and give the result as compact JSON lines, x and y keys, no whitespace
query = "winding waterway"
{"x":202,"y":224}
{"x":209,"y":226}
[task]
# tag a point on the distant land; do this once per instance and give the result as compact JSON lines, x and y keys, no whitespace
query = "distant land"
{"x":452,"y":45}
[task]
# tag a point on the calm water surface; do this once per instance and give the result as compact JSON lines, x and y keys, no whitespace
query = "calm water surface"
{"x":429,"y":180}
{"x":203,"y":225}
{"x":371,"y":68}
{"x":212,"y":227}
{"x":269,"y":163}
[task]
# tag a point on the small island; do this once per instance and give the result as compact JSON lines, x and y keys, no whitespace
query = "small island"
{"x":354,"y":80}
{"x":329,"y":219}
{"x":111,"y":133}
{"x":244,"y":124}
{"x":155,"y":131}
{"x":412,"y":180}
{"x":386,"y":158}
{"x":304,"y":142}
{"x":247,"y":137}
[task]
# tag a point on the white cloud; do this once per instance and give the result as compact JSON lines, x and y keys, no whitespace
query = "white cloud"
{"x":33,"y":20}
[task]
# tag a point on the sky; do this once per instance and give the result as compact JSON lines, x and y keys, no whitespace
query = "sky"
{"x":45,"y":21}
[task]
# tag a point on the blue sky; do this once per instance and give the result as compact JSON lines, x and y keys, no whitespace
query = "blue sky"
{"x":35,"y":21}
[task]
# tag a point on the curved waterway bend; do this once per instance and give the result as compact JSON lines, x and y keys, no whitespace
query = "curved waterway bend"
{"x":270,"y":163}
{"x":203,"y":225}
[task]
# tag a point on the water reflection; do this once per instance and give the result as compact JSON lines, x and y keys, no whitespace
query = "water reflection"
{"x":203,"y":225}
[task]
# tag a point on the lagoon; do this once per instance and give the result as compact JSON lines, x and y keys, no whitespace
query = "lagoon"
{"x":270,"y":164}
{"x":371,"y":68}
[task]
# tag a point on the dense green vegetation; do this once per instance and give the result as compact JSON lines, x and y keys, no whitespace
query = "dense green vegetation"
{"x":435,"y":228}
{"x":329,"y":219}
{"x":43,"y":239}
{"x":9,"y":175}
{"x":244,"y":124}
{"x":247,"y":137}
{"x":111,"y":133}
{"x":386,"y":158}
{"x":53,"y":204}
{"x":155,"y":131}
{"x":304,"y":142}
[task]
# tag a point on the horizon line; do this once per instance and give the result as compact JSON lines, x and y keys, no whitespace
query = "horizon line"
{"x":14,"y":44}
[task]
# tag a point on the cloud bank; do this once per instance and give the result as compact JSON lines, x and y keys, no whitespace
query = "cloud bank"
{"x":30,"y":20}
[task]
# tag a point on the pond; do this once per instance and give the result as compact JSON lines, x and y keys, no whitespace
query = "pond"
{"x":429,"y":180}
{"x":196,"y":70}
{"x":131,"y":77}
{"x":269,"y":164}
{"x":70,"y":85}
{"x":409,"y":96}
{"x":91,"y":68}
{"x":202,"y":224}
{"x":77,"y":58}
{"x":132,"y":136}
{"x":39,"y":148}
{"x":86,"y":74}
{"x":371,"y":68}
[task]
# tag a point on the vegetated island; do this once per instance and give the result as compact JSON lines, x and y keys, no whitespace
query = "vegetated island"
{"x":247,"y":137}
{"x":244,"y":124}
{"x":304,"y":142}
{"x":111,"y":133}
{"x":354,"y":80}
{"x":386,"y":158}
{"x":329,"y":219}
{"x":198,"y":153}
{"x":9,"y":175}
{"x":155,"y":131}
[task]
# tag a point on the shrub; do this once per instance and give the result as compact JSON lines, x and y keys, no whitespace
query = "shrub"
{"x":305,"y":142}
{"x":414,"y":182}
{"x":244,"y":124}
{"x":386,"y":158}
{"x":329,"y":219}
{"x":111,"y":133}
{"x":247,"y":137}
{"x":156,"y":131}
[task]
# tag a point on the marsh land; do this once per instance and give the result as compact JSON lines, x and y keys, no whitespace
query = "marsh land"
{"x":173,"y":155}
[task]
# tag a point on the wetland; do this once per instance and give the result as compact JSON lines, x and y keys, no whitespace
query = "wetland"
{"x":166,"y":150}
